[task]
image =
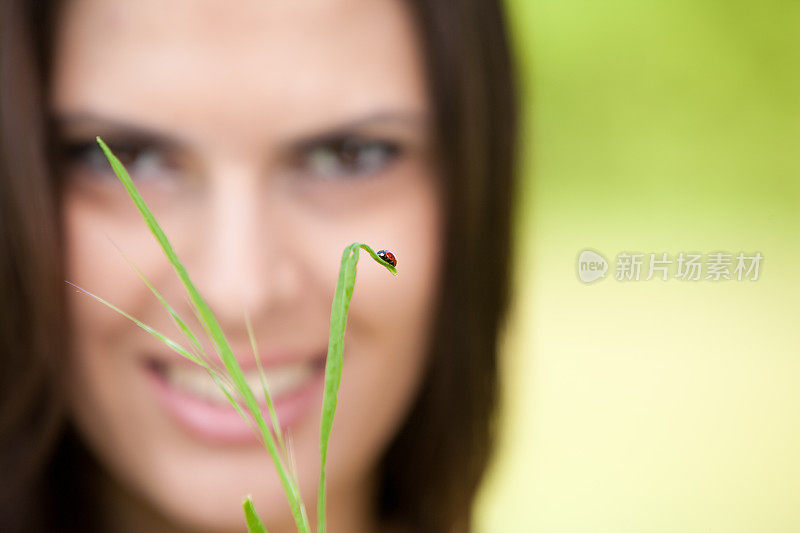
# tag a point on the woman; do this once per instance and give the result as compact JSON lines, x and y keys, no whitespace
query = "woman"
{"x":265,"y":137}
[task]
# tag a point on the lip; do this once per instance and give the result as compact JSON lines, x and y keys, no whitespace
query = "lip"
{"x":221,"y":423}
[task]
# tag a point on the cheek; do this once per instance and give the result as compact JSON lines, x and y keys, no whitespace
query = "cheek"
{"x":107,"y":399}
{"x":400,"y":306}
{"x":96,"y":377}
{"x":93,"y":263}
{"x":392,"y":314}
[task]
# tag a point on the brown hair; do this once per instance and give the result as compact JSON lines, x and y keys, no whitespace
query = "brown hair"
{"x":32,"y":336}
{"x":432,"y":469}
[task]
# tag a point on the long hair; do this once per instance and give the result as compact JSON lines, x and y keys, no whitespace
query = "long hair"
{"x":32,"y":336}
{"x":432,"y":468}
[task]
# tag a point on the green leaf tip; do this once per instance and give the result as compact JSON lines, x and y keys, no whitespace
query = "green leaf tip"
{"x":254,"y":524}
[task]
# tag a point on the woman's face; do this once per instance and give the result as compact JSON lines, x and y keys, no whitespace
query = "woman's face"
{"x":265,"y":136}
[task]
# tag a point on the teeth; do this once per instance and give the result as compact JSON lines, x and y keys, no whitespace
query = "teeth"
{"x":279,"y":380}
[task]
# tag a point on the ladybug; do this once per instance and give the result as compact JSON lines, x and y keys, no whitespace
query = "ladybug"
{"x":388,"y":256}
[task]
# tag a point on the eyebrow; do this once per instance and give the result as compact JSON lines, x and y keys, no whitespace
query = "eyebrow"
{"x":409,"y":120}
{"x":112,"y":127}
{"x":85,"y":120}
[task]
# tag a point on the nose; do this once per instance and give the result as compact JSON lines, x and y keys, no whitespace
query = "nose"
{"x":241,"y":265}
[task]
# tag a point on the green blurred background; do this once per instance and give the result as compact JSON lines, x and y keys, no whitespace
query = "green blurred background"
{"x":654,"y":405}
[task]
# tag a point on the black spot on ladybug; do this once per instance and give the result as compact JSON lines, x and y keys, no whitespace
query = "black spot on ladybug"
{"x":388,"y":256}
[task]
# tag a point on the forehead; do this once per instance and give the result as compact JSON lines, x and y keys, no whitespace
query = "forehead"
{"x":205,"y":64}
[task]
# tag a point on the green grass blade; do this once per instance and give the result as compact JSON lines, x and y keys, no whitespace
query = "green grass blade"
{"x":290,"y":457}
{"x":160,"y":336}
{"x":175,"y":347}
{"x":333,"y":362}
{"x":217,"y":336}
{"x":273,"y":415}
{"x":187,"y":332}
{"x":254,"y":524}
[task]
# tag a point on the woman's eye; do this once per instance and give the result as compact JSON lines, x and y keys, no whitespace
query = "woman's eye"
{"x":343,"y":157}
{"x":141,"y":161}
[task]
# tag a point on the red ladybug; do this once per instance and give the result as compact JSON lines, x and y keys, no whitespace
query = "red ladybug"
{"x":388,"y":256}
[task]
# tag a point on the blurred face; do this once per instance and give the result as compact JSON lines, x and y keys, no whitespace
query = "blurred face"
{"x":265,"y":137}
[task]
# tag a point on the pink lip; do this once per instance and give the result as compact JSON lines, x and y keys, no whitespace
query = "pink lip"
{"x":221,"y":423}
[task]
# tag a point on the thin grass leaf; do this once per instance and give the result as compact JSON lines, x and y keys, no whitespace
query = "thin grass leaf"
{"x":217,"y":336}
{"x":272,"y":414}
{"x":160,"y":336}
{"x":333,"y":362}
{"x":234,"y":392}
{"x":173,"y":346}
{"x":187,"y":332}
{"x":291,"y":456}
{"x":254,"y":524}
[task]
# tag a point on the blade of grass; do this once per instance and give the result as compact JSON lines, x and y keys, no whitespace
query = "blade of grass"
{"x":333,"y":362}
{"x":254,"y":524}
{"x":160,"y":336}
{"x":187,"y":332}
{"x":217,"y":336}
{"x":173,"y":346}
{"x":291,"y":457}
{"x":273,"y":415}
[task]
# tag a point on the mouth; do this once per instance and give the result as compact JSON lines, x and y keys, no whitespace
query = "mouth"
{"x":197,"y":404}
